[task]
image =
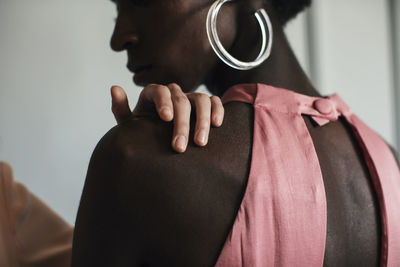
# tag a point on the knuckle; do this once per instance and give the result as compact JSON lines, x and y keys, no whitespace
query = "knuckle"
{"x":150,"y":87}
{"x":147,"y":89}
{"x":194,"y":94}
{"x":160,"y":87}
{"x":143,"y":93}
{"x":216,"y":99}
{"x":174,"y":86}
{"x":203,"y":123}
{"x":181,"y":99}
{"x":202,"y":97}
{"x":182,"y":128}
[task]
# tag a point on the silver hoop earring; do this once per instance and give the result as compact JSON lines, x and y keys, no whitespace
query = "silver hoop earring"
{"x":264,"y":22}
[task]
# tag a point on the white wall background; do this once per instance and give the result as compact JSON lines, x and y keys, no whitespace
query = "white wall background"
{"x":56,"y":69}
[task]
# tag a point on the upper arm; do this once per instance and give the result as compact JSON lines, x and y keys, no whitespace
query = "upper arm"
{"x":95,"y":215}
{"x":129,"y":212}
{"x":104,"y":235}
{"x":145,"y":204}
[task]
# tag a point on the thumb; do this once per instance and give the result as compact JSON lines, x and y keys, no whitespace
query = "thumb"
{"x":120,"y":105}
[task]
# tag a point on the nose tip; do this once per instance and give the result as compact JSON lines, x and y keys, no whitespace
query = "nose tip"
{"x":119,"y":43}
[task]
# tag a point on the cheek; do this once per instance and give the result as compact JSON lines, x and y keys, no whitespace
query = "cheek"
{"x":186,"y":52}
{"x":197,"y":51}
{"x":189,"y":54}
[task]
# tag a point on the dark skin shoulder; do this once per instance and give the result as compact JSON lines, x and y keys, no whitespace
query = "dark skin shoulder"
{"x":145,"y":205}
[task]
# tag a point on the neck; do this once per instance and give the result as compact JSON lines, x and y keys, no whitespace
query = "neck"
{"x":281,"y":69}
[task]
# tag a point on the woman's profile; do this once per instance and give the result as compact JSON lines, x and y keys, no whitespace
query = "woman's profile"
{"x":290,"y":179}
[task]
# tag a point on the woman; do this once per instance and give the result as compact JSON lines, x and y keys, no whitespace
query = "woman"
{"x":290,"y":179}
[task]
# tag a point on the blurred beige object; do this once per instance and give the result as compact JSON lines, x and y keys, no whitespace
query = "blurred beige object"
{"x":31,"y":234}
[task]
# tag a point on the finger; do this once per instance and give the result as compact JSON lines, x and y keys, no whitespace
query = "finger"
{"x":163,"y":102}
{"x":120,"y":105}
{"x":202,"y":103}
{"x":158,"y":96}
{"x":182,"y":109}
{"x":217,"y":111}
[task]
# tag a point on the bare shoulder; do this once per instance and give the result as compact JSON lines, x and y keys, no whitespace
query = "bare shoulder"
{"x":145,"y":204}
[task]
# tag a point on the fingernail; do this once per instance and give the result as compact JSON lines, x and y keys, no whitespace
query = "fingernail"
{"x":166,"y":113}
{"x":201,"y":137}
{"x":180,"y":143}
{"x":217,"y":120}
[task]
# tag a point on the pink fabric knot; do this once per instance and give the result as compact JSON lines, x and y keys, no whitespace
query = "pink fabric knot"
{"x":324,"y":106}
{"x":326,"y":111}
{"x":329,"y":109}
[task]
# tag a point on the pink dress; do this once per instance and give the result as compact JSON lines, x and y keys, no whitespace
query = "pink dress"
{"x":282,"y":219}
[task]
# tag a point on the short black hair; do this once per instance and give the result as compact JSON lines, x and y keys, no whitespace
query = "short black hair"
{"x":288,"y":9}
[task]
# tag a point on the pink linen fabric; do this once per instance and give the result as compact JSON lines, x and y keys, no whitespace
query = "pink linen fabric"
{"x":31,"y":234}
{"x":282,"y":218}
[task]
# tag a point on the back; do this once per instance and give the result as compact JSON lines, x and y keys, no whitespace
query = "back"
{"x":284,"y":218}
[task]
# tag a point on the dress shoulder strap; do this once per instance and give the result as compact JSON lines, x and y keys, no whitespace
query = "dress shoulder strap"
{"x":385,"y":175}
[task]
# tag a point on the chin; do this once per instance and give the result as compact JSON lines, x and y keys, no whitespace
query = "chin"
{"x":140,"y":84}
{"x":141,"y":81}
{"x":148,"y":77}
